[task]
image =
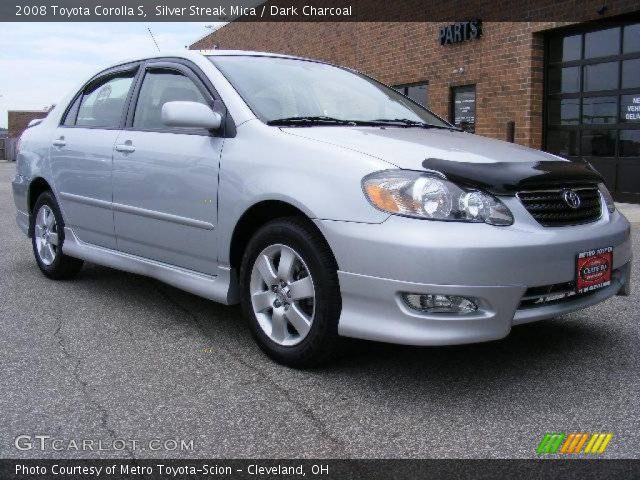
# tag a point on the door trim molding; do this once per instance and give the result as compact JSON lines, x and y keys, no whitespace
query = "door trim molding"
{"x":143,"y":212}
{"x":94,"y":202}
{"x":167,"y":217}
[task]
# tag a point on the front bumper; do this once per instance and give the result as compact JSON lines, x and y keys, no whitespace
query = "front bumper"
{"x":493,"y":265}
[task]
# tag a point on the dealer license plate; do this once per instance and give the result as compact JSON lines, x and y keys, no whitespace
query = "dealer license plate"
{"x":593,"y":269}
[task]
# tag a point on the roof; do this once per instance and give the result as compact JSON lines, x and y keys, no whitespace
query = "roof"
{"x":247,"y":53}
{"x":191,"y":54}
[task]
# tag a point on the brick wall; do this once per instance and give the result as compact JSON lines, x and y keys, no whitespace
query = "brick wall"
{"x":19,"y":119}
{"x":506,"y":64}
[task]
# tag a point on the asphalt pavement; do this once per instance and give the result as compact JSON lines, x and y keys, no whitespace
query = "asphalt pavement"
{"x":115,"y":357}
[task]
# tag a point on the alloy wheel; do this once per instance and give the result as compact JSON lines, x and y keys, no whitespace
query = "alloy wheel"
{"x":46,"y":235}
{"x":282,"y":295}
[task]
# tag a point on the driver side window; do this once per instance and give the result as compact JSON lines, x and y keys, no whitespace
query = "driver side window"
{"x":158,"y":88}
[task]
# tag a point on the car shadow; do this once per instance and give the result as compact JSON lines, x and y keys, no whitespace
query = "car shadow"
{"x":550,"y":351}
{"x":537,"y":348}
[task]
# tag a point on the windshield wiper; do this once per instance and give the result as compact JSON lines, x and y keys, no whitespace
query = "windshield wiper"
{"x":310,"y":120}
{"x":412,"y":123}
{"x":324,"y":120}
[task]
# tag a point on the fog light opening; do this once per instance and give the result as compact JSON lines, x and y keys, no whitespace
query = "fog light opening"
{"x":437,"y":303}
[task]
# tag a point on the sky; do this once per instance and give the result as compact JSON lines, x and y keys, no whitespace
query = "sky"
{"x":41,"y":62}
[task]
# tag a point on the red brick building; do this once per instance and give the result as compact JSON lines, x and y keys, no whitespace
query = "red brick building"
{"x":572,"y":88}
{"x":18,"y":120}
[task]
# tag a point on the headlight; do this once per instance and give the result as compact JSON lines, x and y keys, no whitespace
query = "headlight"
{"x":429,"y":196}
{"x":606,"y":196}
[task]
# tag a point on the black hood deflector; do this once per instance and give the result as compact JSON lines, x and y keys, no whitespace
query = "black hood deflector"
{"x":507,"y":178}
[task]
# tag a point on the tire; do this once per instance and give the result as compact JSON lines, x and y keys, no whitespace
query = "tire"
{"x":318,"y":339}
{"x":47,"y":238}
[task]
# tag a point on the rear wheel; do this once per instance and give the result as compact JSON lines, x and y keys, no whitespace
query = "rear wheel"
{"x":47,"y":237}
{"x":290,"y":293}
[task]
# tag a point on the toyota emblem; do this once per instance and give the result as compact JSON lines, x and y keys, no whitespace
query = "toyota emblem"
{"x":572,"y":199}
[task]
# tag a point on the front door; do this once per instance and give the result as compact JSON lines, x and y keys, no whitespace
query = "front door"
{"x":165,"y":180}
{"x":81,"y":156}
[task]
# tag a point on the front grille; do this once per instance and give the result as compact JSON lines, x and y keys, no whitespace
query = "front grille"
{"x":559,"y":293}
{"x":550,"y":209}
{"x":550,"y":294}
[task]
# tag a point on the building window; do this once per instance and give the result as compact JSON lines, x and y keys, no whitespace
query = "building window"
{"x":463,"y":107}
{"x":418,"y":92}
{"x":592,"y":102}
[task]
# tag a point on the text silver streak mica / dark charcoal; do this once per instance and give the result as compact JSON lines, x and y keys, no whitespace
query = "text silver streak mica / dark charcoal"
{"x":324,"y":202}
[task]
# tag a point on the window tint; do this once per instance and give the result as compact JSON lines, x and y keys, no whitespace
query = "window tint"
{"x":631,"y":73}
{"x":564,"y":111}
{"x":599,"y":109}
{"x":158,"y":88}
{"x":103,"y":103}
{"x":599,"y":143}
{"x":563,"y":142}
{"x":564,"y":80}
{"x":565,"y":49}
{"x":601,"y":76}
{"x":630,"y":143}
{"x":631,"y":38}
{"x":602,"y":43}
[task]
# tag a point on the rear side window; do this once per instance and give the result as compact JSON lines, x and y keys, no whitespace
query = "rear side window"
{"x":103,"y":102}
{"x":158,"y":88}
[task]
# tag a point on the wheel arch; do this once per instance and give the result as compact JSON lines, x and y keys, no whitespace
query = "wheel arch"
{"x":255,"y":217}
{"x":37,"y":187}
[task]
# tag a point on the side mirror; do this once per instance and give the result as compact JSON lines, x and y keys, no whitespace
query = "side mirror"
{"x":190,"y":114}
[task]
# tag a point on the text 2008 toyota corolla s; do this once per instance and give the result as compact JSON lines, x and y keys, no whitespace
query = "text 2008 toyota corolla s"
{"x":324,"y":202}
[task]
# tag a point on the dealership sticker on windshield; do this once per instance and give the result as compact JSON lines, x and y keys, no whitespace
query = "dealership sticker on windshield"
{"x":593,"y":269}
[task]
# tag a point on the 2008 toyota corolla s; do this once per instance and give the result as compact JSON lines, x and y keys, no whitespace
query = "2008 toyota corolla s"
{"x":324,"y":202}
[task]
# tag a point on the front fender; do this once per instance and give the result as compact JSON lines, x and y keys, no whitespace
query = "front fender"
{"x":323,"y":181}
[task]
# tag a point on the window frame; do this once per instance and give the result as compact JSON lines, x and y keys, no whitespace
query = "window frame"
{"x":73,"y":108}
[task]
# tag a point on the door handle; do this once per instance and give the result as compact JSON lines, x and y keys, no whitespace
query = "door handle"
{"x":59,"y":142}
{"x":125,"y":147}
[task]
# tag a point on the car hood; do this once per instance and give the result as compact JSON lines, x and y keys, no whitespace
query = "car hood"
{"x":494,"y":165}
{"x":409,"y":147}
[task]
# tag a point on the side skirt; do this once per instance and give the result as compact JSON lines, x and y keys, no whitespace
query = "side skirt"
{"x":222,"y":288}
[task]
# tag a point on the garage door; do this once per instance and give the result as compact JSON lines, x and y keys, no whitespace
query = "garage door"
{"x":592,"y":95}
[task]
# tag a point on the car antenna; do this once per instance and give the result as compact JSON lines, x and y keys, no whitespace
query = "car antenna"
{"x":153,"y":38}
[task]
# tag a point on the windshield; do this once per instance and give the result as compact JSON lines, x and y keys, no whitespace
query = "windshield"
{"x":283,"y":89}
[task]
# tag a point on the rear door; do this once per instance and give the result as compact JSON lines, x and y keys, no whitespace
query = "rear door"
{"x":165,"y":180}
{"x":82,"y":153}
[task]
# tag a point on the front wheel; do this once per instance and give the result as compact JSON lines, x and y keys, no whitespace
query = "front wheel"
{"x":290,"y":293}
{"x":47,"y":236}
